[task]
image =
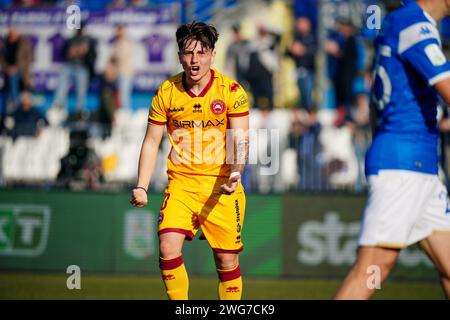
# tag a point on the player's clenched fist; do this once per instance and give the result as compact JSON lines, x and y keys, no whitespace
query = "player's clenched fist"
{"x":139,"y":197}
{"x":230,"y":187}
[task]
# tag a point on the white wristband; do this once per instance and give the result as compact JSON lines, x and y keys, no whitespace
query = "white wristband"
{"x":234,"y":174}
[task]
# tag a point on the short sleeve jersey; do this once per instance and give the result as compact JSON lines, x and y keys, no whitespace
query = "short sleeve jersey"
{"x":409,"y":62}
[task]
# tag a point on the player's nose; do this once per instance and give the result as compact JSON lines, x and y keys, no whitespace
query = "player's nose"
{"x":194,"y":58}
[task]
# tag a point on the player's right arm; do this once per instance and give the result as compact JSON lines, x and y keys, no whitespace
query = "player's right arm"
{"x":149,"y":150}
{"x":147,"y":162}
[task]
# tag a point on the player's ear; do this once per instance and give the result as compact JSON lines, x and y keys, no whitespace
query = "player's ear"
{"x":213,"y":55}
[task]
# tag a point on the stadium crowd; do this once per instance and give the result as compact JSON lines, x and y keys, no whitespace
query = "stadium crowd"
{"x":323,"y":133}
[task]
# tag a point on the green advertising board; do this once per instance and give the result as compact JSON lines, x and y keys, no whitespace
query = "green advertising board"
{"x":102,"y":232}
{"x":292,"y":235}
{"x":320,"y":235}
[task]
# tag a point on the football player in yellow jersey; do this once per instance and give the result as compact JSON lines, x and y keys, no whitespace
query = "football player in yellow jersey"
{"x":206,"y":115}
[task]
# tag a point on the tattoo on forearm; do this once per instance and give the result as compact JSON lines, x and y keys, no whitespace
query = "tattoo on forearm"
{"x":242,"y":150}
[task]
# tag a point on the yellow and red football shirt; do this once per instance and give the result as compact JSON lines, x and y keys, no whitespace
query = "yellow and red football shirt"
{"x":197,"y":128}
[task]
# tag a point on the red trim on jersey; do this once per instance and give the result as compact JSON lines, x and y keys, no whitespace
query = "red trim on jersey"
{"x":188,"y":91}
{"x":229,"y":275}
{"x":157,"y":122}
{"x":234,"y":87}
{"x":189,"y":235}
{"x":217,"y":250}
{"x":170,"y":264}
{"x":205,"y":89}
{"x":236,"y":115}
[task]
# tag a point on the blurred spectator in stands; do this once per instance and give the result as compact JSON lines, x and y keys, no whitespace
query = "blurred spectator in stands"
{"x":264,"y":61}
{"x":346,"y":68}
{"x":290,"y":159}
{"x":27,"y":120}
{"x":79,"y":54}
{"x":26,"y":3}
{"x":81,"y":167}
{"x":264,"y":183}
{"x":108,"y":97}
{"x":307,"y":8}
{"x":303,"y":50}
{"x":123,"y":53}
{"x":359,"y":116}
{"x":139,"y":3}
{"x":16,"y":57}
{"x":238,"y":56}
{"x":360,"y":126}
{"x":117,"y":4}
{"x":309,"y":149}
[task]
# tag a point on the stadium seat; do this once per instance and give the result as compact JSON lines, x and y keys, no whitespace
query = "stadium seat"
{"x":56,"y":116}
{"x":289,"y":169}
{"x":337,"y":146}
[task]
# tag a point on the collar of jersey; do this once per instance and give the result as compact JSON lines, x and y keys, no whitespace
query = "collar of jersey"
{"x":426,"y":14}
{"x":205,"y":89}
{"x":430,"y":18}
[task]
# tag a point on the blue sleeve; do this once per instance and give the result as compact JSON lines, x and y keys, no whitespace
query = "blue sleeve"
{"x":427,"y":58}
{"x":445,"y":28}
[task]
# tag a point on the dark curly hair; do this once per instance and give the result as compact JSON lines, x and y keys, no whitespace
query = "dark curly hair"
{"x":197,"y":31}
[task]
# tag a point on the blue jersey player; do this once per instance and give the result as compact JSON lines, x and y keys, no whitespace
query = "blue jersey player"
{"x":407,"y":203}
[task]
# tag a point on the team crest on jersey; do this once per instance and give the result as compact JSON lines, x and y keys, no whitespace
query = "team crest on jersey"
{"x":217,"y":106}
{"x":161,"y":217}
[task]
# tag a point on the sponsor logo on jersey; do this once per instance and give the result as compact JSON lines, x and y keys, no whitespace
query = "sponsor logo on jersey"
{"x":174,"y":109}
{"x":240,"y":101}
{"x":238,"y":216}
{"x":198,"y":123}
{"x":197,"y":108}
{"x":217,"y":106}
{"x":233,"y":289}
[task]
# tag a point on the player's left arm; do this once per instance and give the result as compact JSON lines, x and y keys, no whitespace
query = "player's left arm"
{"x":425,"y":54}
{"x":443,"y":88}
{"x":239,"y":128}
{"x":238,"y":118}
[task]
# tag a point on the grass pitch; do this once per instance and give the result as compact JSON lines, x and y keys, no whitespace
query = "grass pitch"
{"x":46,"y":286}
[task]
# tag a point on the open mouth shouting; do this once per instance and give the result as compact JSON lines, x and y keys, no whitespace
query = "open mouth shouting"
{"x":195,"y":71}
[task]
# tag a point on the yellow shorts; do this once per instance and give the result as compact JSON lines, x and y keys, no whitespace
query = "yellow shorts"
{"x":220,"y":216}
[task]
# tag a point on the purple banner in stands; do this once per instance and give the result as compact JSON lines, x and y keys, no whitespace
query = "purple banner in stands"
{"x":151,"y":31}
